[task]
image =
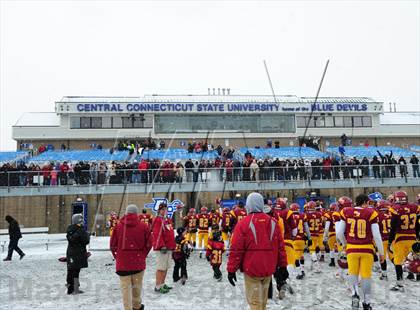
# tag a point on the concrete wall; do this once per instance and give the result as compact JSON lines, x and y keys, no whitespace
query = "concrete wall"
{"x":55,"y":211}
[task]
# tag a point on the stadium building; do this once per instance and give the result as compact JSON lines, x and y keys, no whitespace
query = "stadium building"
{"x":229,"y":120}
{"x":242,"y":122}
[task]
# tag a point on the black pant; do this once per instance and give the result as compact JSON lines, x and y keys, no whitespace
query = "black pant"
{"x":71,"y":275}
{"x":13,"y":246}
{"x":180,"y":264}
{"x":217,"y":272}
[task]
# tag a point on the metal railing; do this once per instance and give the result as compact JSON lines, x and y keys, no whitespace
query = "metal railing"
{"x":184,"y":175}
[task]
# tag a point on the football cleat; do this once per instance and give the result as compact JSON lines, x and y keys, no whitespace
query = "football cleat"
{"x":332,"y":263}
{"x":367,"y":306}
{"x":300,"y":276}
{"x":397,"y":288}
{"x":355,"y":299}
{"x":383,"y":277}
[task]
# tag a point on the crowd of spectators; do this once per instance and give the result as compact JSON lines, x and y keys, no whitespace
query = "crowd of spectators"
{"x":225,"y":167}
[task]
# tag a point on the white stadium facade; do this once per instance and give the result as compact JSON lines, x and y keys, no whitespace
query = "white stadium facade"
{"x":229,"y":120}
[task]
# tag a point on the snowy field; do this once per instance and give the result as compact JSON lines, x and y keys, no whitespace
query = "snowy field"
{"x":38,"y":282}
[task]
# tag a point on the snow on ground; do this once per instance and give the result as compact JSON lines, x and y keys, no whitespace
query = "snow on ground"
{"x":38,"y":282}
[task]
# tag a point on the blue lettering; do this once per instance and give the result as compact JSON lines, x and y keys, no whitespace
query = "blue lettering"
{"x":80,"y":107}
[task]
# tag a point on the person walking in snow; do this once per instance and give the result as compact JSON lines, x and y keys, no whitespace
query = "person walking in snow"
{"x":163,"y":245}
{"x":76,"y":254}
{"x":14,"y":235}
{"x":258,"y":250}
{"x":130,"y":244}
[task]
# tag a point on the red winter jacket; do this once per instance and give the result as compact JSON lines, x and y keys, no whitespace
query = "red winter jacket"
{"x":163,"y":234}
{"x":257,"y":247}
{"x":130,"y":243}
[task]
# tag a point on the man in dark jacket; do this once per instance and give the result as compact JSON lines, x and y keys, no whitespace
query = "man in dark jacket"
{"x":130,"y":244}
{"x":14,"y":235}
{"x":76,"y":254}
{"x":414,"y":161}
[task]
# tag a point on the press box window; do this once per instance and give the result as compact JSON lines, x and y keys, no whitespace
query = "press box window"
{"x":348,"y":122}
{"x":75,"y":122}
{"x":338,"y":121}
{"x":367,"y":121}
{"x":85,"y":122}
{"x":133,"y":122}
{"x":107,"y":122}
{"x":301,"y":121}
{"x":96,"y":122}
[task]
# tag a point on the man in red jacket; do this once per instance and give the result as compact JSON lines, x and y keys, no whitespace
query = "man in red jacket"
{"x":257,"y":249}
{"x":163,"y":245}
{"x":130,"y":244}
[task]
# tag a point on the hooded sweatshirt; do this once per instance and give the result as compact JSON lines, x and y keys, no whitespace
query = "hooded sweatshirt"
{"x":257,"y":247}
{"x":130,"y":244}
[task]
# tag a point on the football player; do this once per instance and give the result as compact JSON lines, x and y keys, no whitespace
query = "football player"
{"x":226,"y":226}
{"x":214,"y":221}
{"x":384,"y":227}
{"x":214,"y":252}
{"x":357,"y":230}
{"x":403,"y":232}
{"x":190,"y":224}
{"x":203,"y":230}
{"x":146,"y":218}
{"x":238,"y":213}
{"x":112,"y":222}
{"x":290,"y":230}
{"x":413,"y":262}
{"x":332,"y":216}
{"x":314,"y":222}
{"x":303,"y":234}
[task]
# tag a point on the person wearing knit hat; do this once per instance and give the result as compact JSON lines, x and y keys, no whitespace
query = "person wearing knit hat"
{"x":257,"y":249}
{"x":77,"y":219}
{"x":130,"y":244}
{"x":132,"y":209}
{"x":76,"y":255}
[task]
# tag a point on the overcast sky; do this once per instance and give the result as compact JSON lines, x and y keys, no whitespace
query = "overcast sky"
{"x":50,"y":49}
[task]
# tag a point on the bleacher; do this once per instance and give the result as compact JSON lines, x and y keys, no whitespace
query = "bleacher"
{"x":369,"y":151}
{"x":415,"y":148}
{"x":80,"y":155}
{"x":12,"y":156}
{"x":288,"y":152}
{"x":176,"y":154}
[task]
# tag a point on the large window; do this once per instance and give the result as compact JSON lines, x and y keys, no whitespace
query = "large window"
{"x":85,"y":122}
{"x":241,"y":123}
{"x":96,"y":122}
{"x":348,"y":121}
{"x":367,"y":121}
{"x":111,"y":122}
{"x":336,"y":121}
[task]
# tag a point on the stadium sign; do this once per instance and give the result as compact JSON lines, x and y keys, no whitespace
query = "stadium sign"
{"x":172,"y":206}
{"x":173,"y":107}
